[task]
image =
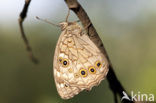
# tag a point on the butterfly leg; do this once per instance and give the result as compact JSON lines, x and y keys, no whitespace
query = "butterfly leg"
{"x":67,"y":15}
{"x":86,"y":29}
{"x":87,"y":26}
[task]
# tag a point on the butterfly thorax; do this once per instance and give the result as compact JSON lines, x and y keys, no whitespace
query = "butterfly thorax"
{"x":71,"y":28}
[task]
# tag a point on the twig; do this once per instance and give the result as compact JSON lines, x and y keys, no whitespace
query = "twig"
{"x":115,"y":97}
{"x":22,"y":16}
{"x":114,"y":83}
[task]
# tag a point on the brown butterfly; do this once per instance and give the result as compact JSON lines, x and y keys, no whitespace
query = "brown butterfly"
{"x":78,"y":63}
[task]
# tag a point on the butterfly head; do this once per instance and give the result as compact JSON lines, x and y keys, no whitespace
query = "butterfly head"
{"x":63,"y":25}
{"x":69,"y":25}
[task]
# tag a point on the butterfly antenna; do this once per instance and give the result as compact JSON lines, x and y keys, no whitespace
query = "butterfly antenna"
{"x":44,"y":20}
{"x":68,"y":15}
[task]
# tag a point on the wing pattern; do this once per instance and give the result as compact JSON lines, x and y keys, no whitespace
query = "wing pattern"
{"x":78,"y":64}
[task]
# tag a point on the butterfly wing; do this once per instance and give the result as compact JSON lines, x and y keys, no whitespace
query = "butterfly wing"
{"x":78,"y":64}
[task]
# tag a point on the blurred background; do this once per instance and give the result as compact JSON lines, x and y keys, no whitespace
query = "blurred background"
{"x":128,"y":31}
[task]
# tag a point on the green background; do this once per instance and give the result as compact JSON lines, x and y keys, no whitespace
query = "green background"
{"x":126,"y":27}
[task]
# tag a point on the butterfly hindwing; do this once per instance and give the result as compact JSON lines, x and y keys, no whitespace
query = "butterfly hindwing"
{"x":78,"y":62}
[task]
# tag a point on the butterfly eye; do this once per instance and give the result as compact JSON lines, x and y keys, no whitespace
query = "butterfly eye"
{"x":92,"y":70}
{"x":83,"y":72}
{"x":65,"y":63}
{"x":98,"y":64}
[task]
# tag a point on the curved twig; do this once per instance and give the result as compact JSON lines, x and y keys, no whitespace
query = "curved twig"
{"x":22,"y":16}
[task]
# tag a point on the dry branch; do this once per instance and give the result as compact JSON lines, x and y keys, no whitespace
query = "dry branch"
{"x":22,"y":16}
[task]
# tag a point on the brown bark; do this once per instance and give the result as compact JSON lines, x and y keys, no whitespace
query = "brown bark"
{"x":22,"y":16}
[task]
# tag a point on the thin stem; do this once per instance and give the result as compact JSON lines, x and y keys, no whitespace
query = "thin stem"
{"x":22,"y":16}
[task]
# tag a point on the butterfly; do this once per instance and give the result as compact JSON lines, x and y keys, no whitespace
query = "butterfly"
{"x":78,"y":63}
